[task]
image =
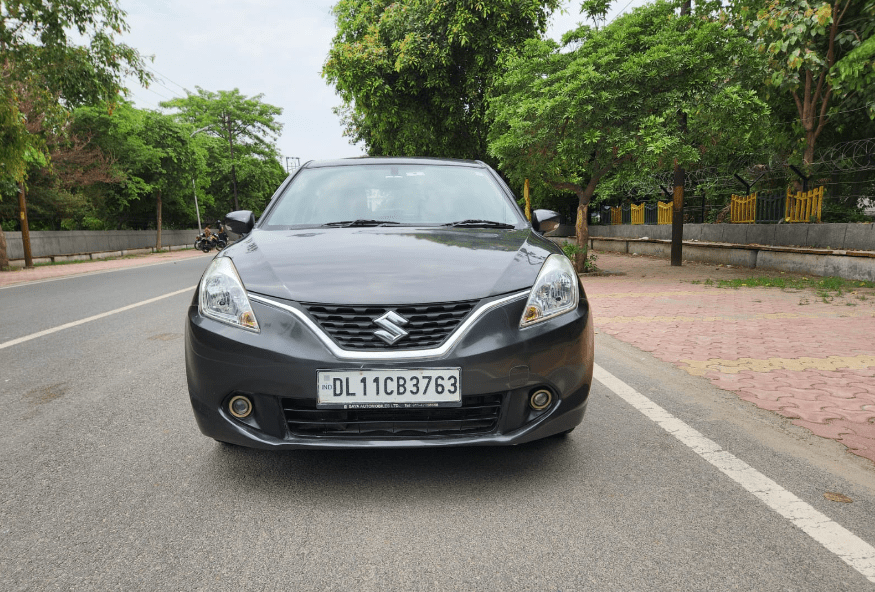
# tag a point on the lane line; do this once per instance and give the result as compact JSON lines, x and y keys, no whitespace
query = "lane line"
{"x":98,"y":272}
{"x":849,"y":547}
{"x":89,"y":319}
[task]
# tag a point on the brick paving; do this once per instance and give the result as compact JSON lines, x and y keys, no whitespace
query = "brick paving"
{"x":44,"y":272}
{"x":787,"y":351}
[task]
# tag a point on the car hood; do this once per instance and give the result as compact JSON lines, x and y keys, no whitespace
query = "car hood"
{"x":389,"y":265}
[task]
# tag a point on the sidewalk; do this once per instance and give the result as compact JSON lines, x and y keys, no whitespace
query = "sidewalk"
{"x":46,"y":272}
{"x":786,"y":350}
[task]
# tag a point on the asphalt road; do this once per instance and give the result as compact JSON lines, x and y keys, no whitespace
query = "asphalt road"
{"x":108,"y":485}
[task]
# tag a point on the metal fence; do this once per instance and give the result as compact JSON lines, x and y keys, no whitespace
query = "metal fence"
{"x":770,"y":209}
{"x":643,"y":213}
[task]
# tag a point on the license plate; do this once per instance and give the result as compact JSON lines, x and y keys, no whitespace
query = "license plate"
{"x":420,"y":387}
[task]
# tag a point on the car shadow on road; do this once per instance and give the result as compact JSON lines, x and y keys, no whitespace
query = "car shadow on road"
{"x":361,"y":474}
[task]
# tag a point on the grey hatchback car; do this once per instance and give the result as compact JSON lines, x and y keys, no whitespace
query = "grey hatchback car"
{"x":389,"y":302}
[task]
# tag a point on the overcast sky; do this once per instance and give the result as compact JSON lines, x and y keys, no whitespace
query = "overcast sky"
{"x":274,"y":47}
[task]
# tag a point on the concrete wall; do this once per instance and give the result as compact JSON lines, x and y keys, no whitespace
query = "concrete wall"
{"x":851,"y":237}
{"x":58,"y":243}
{"x":848,"y":264}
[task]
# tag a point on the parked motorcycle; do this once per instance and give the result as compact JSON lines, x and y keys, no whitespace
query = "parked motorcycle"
{"x":216,"y":240}
{"x":204,"y":243}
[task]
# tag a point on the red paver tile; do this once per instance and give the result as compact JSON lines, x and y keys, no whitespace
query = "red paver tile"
{"x":803,"y":394}
{"x":830,"y":430}
{"x":778,"y":405}
{"x":868,"y":387}
{"x":809,"y":411}
{"x":755,"y":394}
{"x":860,"y":416}
{"x":845,"y":391}
{"x":682,"y":322}
{"x":860,"y":445}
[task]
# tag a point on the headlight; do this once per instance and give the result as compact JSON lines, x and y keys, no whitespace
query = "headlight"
{"x":223,"y":298}
{"x":554,"y":293}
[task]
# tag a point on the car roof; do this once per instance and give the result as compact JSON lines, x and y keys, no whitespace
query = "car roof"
{"x":371,"y":160}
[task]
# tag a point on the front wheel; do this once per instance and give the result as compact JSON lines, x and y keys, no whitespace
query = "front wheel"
{"x":221,"y":245}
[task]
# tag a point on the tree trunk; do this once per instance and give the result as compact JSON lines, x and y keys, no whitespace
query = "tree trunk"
{"x":677,"y":219}
{"x":25,"y":228}
{"x":810,"y":139}
{"x":234,"y":183}
{"x":581,"y":228}
{"x":4,"y":253}
{"x":158,"y":210}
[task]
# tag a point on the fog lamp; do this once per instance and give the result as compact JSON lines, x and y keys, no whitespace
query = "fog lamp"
{"x":240,"y":406}
{"x":540,"y":399}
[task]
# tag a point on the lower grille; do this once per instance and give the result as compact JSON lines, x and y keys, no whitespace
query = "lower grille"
{"x":477,"y":415}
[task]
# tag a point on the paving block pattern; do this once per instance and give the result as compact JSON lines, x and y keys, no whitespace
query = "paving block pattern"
{"x":788,"y":351}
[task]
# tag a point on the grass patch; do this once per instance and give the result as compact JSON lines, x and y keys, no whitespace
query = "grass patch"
{"x":825,"y":288}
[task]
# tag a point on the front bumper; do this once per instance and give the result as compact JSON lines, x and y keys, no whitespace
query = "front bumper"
{"x":279,"y":364}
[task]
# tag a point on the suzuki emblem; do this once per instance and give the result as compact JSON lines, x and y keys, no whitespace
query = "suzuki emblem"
{"x":390,"y":322}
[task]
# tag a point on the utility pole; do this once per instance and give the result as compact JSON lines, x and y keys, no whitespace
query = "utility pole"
{"x":677,"y":217}
{"x":197,"y":208}
{"x":25,"y":229}
{"x":226,"y":120}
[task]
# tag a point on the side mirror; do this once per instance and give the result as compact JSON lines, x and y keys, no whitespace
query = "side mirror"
{"x":240,"y":222}
{"x":545,"y":220}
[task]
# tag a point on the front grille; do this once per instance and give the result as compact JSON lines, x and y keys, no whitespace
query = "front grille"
{"x":352,"y":327}
{"x":477,"y":415}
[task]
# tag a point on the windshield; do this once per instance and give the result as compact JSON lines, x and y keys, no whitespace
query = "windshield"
{"x":391,"y":194}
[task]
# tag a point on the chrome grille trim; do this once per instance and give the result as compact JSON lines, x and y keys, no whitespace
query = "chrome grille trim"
{"x":354,"y":328}
{"x":420,"y":354}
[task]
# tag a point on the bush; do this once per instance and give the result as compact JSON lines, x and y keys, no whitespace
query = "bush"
{"x":571,"y":250}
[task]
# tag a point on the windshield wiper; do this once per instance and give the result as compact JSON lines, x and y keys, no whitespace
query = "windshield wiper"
{"x":480,"y":224}
{"x":348,"y":223}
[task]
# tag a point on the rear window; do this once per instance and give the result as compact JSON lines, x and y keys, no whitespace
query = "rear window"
{"x":406,"y":194}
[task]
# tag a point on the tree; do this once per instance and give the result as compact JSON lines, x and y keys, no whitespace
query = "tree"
{"x":40,"y":55}
{"x":414,"y":76}
{"x":568,"y":117}
{"x":820,"y":54}
{"x":245,"y":123}
{"x":152,"y":153}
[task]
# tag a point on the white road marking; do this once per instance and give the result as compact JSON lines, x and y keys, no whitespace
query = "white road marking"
{"x":89,"y":319}
{"x":849,"y":547}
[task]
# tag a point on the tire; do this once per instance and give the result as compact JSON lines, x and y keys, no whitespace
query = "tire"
{"x":220,"y":245}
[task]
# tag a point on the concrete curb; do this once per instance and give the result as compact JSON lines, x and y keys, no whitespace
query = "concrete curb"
{"x":851,"y":265}
{"x":99,"y":255}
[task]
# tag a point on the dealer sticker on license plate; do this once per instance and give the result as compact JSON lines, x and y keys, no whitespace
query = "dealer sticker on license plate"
{"x":420,"y":387}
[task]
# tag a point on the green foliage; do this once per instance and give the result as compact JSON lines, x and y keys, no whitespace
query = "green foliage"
{"x":54,"y":56}
{"x":572,"y":250}
{"x":819,"y":55}
{"x":607,"y":102}
{"x":246,"y":124}
{"x":414,"y":76}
